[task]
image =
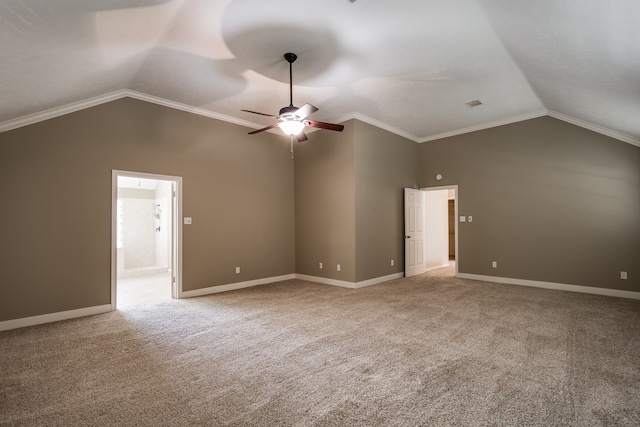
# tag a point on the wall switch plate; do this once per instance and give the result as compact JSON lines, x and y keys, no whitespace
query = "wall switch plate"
{"x":463,"y":219}
{"x":392,"y":263}
{"x":623,"y":275}
{"x":494,"y":264}
{"x":237,"y":270}
{"x":320,"y":265}
{"x":338,"y":267}
{"x":470,"y":218}
{"x":187,"y":220}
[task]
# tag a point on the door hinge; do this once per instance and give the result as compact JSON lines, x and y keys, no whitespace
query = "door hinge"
{"x":173,"y":280}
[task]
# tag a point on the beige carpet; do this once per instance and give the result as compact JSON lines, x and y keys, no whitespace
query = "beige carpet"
{"x":431,"y":350}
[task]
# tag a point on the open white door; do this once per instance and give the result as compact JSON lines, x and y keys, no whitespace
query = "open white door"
{"x":413,"y":232}
{"x":176,"y":246}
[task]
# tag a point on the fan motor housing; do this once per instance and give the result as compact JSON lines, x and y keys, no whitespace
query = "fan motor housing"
{"x":287,"y":112}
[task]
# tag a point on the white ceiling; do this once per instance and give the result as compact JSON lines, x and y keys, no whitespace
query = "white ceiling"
{"x":408,"y":66}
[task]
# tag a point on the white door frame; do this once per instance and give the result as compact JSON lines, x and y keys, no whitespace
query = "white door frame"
{"x":455,"y":208}
{"x":176,"y":230}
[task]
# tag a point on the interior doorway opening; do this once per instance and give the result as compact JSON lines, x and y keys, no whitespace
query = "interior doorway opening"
{"x":145,"y":239}
{"x":431,"y":230}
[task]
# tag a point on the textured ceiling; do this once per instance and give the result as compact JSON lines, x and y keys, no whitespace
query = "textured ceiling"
{"x":408,"y":66}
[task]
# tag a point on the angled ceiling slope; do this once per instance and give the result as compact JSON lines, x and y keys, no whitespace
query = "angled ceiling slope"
{"x":409,"y":67}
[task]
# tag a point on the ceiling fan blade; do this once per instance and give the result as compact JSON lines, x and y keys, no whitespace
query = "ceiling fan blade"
{"x":263,"y":129}
{"x":323,"y":125}
{"x":305,"y":111}
{"x":301,"y":137}
{"x":262,"y":114}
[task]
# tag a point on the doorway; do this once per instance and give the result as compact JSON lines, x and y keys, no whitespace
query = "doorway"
{"x":145,"y":248}
{"x":445,"y":230}
{"x":435,"y":217}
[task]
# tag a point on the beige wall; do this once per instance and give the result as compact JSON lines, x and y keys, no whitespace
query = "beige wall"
{"x":349,"y":202}
{"x":550,"y":202}
{"x":55,"y":220}
{"x":325,"y":204}
{"x":385,"y":163}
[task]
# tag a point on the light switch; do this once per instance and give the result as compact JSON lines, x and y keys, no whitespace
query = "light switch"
{"x":187,"y":220}
{"x":463,"y":219}
{"x":470,"y":218}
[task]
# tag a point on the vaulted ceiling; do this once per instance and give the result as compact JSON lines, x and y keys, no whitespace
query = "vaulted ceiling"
{"x":409,"y":66}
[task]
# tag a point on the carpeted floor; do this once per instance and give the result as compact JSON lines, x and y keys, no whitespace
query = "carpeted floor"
{"x":429,"y":350}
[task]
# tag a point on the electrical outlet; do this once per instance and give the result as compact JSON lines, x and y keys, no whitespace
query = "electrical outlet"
{"x":623,"y":275}
{"x":393,"y":263}
{"x":320,"y":265}
{"x":494,"y":264}
{"x":237,"y":270}
{"x":338,"y":267}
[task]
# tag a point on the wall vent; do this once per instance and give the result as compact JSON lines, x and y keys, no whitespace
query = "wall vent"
{"x":474,"y":103}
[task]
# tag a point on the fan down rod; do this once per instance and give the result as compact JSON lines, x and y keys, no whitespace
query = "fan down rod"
{"x":291,"y":58}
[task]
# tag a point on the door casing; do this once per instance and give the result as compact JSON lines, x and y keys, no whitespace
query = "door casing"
{"x":176,"y":230}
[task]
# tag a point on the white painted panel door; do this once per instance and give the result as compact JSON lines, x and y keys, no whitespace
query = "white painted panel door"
{"x":413,"y":232}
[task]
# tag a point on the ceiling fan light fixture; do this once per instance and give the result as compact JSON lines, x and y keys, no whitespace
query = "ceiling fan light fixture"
{"x":291,"y":127}
{"x":293,"y":120}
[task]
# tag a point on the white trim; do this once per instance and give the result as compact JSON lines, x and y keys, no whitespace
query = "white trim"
{"x":113,"y":96}
{"x":483,"y":126}
{"x":234,"y":286}
{"x":595,"y":128}
{"x":123,"y":93}
{"x":378,"y":280}
{"x":189,"y":109}
{"x":378,"y":124}
{"x":54,"y":317}
{"x":350,"y":285}
{"x":61,"y":111}
{"x":326,"y":281}
{"x":176,"y":226}
{"x":556,"y":286}
{"x":435,"y":268}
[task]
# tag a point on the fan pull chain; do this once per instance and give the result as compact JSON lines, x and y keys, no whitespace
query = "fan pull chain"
{"x":292,"y":147}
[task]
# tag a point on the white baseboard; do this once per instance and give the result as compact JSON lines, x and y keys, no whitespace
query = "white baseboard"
{"x":557,"y":286}
{"x":234,"y":286}
{"x":377,"y":280}
{"x":350,"y":285}
{"x":326,"y":281}
{"x":53,"y":317}
{"x":437,"y":267}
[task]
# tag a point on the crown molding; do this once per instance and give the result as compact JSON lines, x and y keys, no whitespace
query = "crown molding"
{"x":112,"y":96}
{"x":123,"y":93}
{"x":483,"y":126}
{"x":595,"y":128}
{"x":378,"y":124}
{"x":60,"y":111}
{"x":189,"y":109}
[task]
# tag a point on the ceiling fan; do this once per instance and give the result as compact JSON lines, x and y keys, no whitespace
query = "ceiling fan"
{"x":292,"y":120}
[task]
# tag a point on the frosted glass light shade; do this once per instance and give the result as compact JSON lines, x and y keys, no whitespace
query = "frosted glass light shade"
{"x":291,"y":127}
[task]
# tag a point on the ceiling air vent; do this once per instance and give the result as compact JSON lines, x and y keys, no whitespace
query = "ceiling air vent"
{"x":474,"y":103}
